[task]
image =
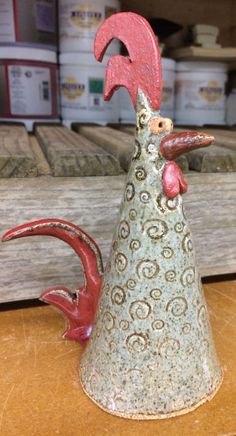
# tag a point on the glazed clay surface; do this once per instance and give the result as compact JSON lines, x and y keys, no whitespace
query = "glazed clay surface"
{"x":151,"y":353}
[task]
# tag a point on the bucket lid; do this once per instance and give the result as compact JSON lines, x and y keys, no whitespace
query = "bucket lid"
{"x":81,"y":59}
{"x":168,"y":64}
{"x":28,"y":53}
{"x":195,"y":66}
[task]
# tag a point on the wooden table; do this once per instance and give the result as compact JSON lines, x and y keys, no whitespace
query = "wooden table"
{"x":40,"y":393}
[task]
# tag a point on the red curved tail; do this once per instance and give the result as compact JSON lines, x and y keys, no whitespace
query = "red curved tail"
{"x":79,"y":308}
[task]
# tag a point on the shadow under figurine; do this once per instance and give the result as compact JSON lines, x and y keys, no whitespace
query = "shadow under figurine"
{"x":150,"y":352}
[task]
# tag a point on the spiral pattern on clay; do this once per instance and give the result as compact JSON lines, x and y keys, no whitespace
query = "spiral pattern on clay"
{"x":132,"y":214}
{"x":188,"y":276}
{"x":137,"y":342}
{"x":137,"y":150}
{"x":147,"y":269}
{"x":169,"y":347}
{"x":121,"y":262}
{"x":140,"y":310}
{"x":144,"y":196}
{"x":203,"y":318}
{"x":172,"y":203}
{"x":140,"y":173}
{"x":130,"y":191}
{"x":131,"y":284}
{"x":112,"y":346}
{"x":155,"y":294}
{"x":151,"y":148}
{"x":179,"y":227}
{"x":187,"y":243}
{"x":170,"y":276}
{"x":158,"y":324}
{"x":159,"y":163}
{"x":106,"y":289}
{"x":186,"y":328}
{"x":167,"y":252}
{"x":155,"y":229}
{"x":108,"y":321}
{"x":166,"y":204}
{"x":160,"y":200}
{"x":135,"y":376}
{"x":124,"y":324}
{"x":177,"y":306}
{"x":117,"y":295}
{"x":124,"y":230}
{"x":135,"y":244}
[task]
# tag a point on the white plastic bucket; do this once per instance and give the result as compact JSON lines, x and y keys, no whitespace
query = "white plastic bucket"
{"x":28,"y":85}
{"x":28,"y":23}
{"x":168,"y":88}
{"x":231,"y":108}
{"x":127,"y":112}
{"x":82,"y":81}
{"x":79,"y":21}
{"x":200,"y":93}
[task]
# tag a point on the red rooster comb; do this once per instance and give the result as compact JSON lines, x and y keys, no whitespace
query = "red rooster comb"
{"x":142,"y":69}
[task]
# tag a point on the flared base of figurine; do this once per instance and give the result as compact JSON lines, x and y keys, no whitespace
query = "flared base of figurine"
{"x":143,"y":416}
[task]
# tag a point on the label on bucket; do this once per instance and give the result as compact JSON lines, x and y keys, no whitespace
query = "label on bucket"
{"x":86,"y":95}
{"x":80,"y":20}
{"x":7,"y":29}
{"x":96,"y":94}
{"x":72,"y":92}
{"x":200,"y":95}
{"x":44,"y":11}
{"x":30,"y":90}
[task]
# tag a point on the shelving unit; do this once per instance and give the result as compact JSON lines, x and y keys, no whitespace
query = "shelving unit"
{"x":185,"y":12}
{"x":192,"y":53}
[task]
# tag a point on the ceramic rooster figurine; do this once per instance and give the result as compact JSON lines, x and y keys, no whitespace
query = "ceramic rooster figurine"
{"x":150,"y":354}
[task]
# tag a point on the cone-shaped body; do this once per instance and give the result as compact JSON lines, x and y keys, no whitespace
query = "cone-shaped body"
{"x":151,"y":353}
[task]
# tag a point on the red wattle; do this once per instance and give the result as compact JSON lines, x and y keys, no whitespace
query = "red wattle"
{"x":173,"y":180}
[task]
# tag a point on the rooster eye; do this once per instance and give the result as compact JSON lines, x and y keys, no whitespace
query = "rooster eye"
{"x":143,"y":118}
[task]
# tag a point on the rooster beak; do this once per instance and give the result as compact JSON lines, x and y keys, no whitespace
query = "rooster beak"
{"x":175,"y":144}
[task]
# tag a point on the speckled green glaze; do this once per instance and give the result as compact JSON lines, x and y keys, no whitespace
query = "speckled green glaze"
{"x":151,"y":353}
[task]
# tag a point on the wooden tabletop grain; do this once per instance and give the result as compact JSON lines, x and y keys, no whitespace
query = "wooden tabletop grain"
{"x":41,"y":395}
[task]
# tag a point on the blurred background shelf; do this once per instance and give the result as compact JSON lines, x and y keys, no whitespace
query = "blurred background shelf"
{"x":192,"y":53}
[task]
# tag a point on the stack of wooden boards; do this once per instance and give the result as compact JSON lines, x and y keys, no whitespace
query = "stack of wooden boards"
{"x":42,"y":175}
{"x":93,"y":150}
